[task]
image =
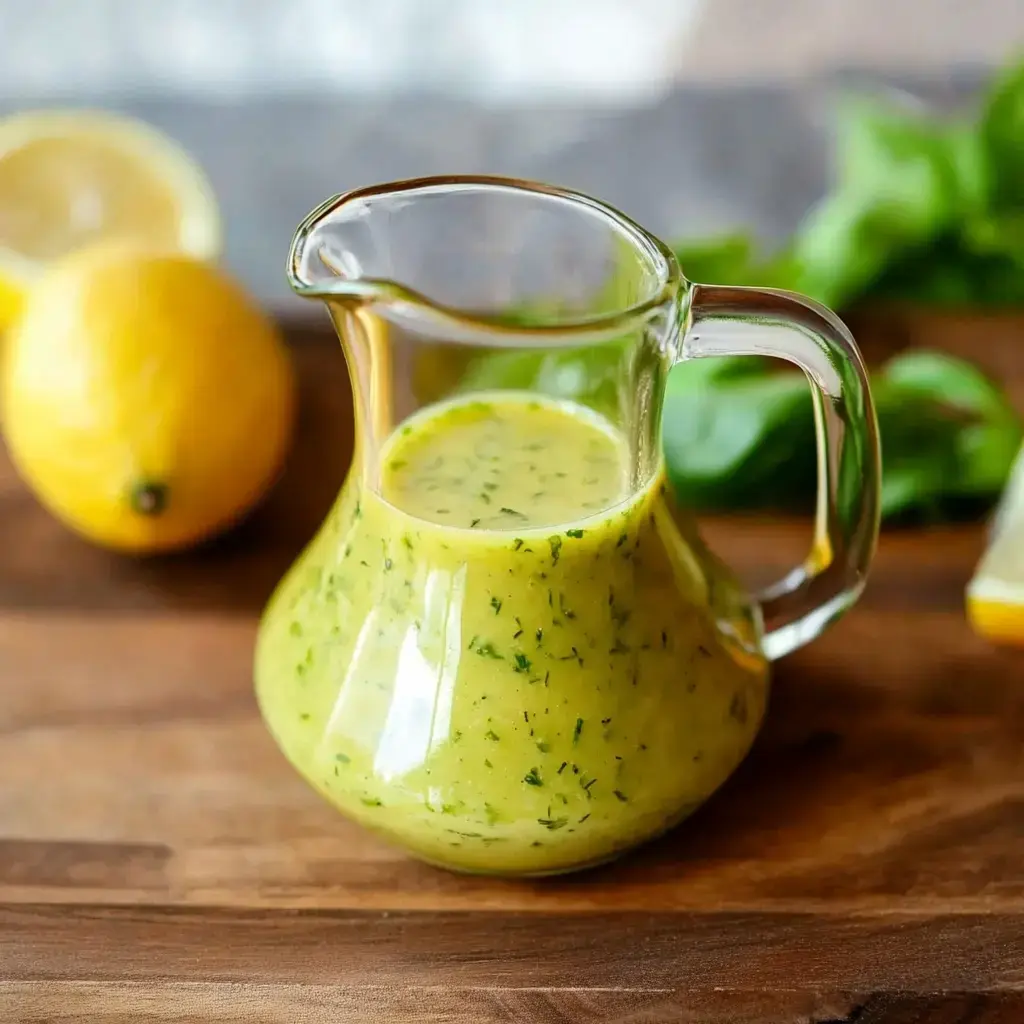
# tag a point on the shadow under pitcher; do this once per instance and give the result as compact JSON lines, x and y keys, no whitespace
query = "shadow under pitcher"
{"x":507,"y":649}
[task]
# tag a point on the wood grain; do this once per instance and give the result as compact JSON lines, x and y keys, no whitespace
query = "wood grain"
{"x":261,"y":1003}
{"x":253,"y":1003}
{"x":114,"y":1003}
{"x":159,"y":860}
{"x":884,"y":793}
{"x":402,"y":962}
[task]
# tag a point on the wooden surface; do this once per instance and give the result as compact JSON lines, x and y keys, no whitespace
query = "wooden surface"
{"x":159,"y":861}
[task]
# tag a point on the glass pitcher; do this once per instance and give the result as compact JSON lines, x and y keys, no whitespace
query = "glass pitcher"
{"x":507,"y":649}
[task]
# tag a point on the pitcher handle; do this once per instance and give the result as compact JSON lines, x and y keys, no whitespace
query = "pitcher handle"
{"x":732,"y":321}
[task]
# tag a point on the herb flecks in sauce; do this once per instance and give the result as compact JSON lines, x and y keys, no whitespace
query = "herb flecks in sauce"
{"x":522,"y":662}
{"x":487,"y":650}
{"x":517,"y":442}
{"x":555,"y":543}
{"x":553,"y":824}
{"x":506,"y":636}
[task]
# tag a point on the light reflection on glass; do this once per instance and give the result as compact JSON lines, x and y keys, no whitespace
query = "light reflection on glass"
{"x":419,"y":716}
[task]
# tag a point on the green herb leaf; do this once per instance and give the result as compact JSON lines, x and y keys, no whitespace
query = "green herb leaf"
{"x":744,"y":436}
{"x":521,"y":662}
{"x":555,"y":543}
{"x":1002,"y":132}
{"x":903,"y":180}
{"x":732,"y":259}
{"x":488,"y":651}
{"x":553,"y":823}
{"x":734,"y":432}
{"x":948,"y":434}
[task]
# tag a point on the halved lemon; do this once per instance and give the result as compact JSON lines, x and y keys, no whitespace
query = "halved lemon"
{"x":69,"y":178}
{"x":995,"y":595}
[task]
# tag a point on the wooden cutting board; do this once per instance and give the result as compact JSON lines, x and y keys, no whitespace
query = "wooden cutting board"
{"x":159,"y":861}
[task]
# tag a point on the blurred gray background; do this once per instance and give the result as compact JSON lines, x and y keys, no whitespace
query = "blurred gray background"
{"x":694,"y":116}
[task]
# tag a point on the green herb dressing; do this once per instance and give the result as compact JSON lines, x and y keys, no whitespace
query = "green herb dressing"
{"x":506,"y":657}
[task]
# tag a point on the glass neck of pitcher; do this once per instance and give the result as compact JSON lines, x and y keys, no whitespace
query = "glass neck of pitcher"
{"x":402,"y":363}
{"x":445,"y":288}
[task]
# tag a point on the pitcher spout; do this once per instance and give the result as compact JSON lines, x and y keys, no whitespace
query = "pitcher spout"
{"x":476,"y":253}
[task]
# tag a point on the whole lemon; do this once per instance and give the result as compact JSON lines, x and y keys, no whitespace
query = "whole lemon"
{"x":146,"y":400}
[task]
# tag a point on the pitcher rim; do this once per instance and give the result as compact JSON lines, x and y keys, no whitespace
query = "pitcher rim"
{"x":599,"y":325}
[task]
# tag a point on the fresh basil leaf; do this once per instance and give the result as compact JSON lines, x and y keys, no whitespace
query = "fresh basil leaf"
{"x":728,"y":259}
{"x":985,"y":456}
{"x":902,"y":181}
{"x":997,"y":236}
{"x":842,"y":248}
{"x":918,"y":451}
{"x":734,"y":260}
{"x":697,"y":375}
{"x":967,"y":166}
{"x":742,"y":436}
{"x":921,"y":171}
{"x":495,"y":371}
{"x":589,"y":375}
{"x":947,"y":274}
{"x":913,"y":487}
{"x":946,"y":381}
{"x":948,"y":434}
{"x":738,"y":438}
{"x":1002,"y":135}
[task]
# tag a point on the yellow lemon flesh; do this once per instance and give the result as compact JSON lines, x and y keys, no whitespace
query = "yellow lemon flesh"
{"x":72,"y":178}
{"x":147,"y":401}
{"x":995,"y":595}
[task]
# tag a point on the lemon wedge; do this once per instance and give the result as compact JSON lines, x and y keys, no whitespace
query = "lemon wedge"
{"x":72,"y":178}
{"x":995,"y":595}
